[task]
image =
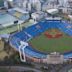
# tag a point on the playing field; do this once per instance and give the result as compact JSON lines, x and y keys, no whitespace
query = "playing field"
{"x":46,"y":45}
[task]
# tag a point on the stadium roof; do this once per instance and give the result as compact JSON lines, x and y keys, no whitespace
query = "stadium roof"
{"x":52,"y":11}
{"x":70,"y":16}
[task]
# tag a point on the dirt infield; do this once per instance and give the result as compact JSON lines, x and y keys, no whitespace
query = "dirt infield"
{"x":53,"y":34}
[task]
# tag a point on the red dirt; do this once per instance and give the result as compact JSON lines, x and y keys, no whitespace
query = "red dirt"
{"x":58,"y":35}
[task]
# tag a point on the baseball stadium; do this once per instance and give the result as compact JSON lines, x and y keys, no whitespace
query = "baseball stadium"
{"x":36,"y":40}
{"x":43,"y":38}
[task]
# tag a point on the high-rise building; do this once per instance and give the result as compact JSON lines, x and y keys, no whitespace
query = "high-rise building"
{"x":70,"y":6}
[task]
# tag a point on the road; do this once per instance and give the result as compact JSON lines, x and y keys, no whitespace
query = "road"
{"x":20,"y":68}
{"x":66,"y":68}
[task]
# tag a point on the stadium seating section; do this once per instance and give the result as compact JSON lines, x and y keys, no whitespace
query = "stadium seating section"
{"x":36,"y":30}
{"x":20,"y":16}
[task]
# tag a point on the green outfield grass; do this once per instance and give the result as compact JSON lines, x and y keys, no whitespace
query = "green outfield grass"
{"x":44,"y":44}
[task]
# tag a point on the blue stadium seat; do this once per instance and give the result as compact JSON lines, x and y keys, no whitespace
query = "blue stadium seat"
{"x":34,"y":31}
{"x":68,"y":55}
{"x":33,"y":53}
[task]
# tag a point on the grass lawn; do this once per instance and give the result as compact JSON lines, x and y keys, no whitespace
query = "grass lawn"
{"x":46,"y":45}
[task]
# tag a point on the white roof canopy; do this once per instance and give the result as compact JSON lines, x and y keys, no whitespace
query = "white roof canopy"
{"x":70,"y":16}
{"x":34,"y":15}
{"x":52,"y":11}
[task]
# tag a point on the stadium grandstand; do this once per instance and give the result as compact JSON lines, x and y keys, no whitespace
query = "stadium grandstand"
{"x":12,"y":19}
{"x":35,"y":30}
